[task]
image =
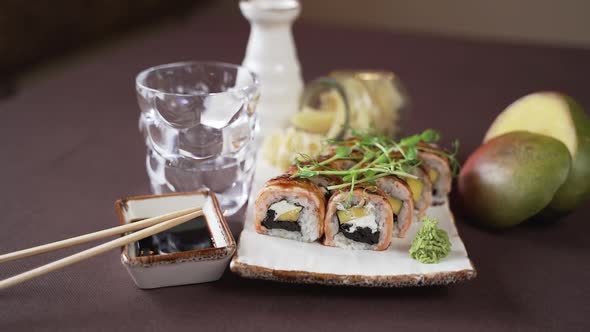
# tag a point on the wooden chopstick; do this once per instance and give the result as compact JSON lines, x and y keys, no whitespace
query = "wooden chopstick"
{"x":93,"y":236}
{"x":61,"y":263}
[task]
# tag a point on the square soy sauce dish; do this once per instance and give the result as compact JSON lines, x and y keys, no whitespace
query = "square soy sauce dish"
{"x":196,"y":251}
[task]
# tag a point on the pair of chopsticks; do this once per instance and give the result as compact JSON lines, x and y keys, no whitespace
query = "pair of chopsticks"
{"x":146,"y":227}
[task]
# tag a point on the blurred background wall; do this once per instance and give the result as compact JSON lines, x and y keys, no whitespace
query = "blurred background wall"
{"x":553,"y":22}
{"x":35,"y":32}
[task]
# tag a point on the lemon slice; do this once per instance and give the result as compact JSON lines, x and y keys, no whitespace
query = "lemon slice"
{"x":313,"y":120}
{"x":332,"y":99}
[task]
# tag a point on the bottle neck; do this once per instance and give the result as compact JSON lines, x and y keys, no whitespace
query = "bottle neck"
{"x":271,"y":42}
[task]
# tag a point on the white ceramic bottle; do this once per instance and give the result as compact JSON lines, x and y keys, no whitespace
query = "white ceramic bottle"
{"x":271,"y":54}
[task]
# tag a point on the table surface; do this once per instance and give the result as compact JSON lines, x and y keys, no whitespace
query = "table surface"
{"x":71,"y":146}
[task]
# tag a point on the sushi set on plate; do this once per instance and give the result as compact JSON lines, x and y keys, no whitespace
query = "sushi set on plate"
{"x":338,"y":258}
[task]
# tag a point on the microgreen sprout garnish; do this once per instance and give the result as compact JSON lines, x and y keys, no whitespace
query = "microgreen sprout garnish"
{"x":373,"y":156}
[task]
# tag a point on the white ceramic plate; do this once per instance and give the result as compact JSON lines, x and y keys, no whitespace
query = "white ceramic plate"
{"x":270,"y":258}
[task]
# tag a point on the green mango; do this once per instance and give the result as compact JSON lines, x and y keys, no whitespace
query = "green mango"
{"x":559,"y":116}
{"x":576,"y":188}
{"x":512,"y":177}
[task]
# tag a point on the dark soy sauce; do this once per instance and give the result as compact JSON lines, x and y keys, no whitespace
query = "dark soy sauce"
{"x":191,"y":235}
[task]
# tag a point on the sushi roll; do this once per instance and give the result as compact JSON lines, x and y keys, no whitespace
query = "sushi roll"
{"x":439,"y":173}
{"x":421,"y":189}
{"x":361,"y":219}
{"x":399,"y":196}
{"x":341,"y":164}
{"x":322,"y":181}
{"x":290,"y":208}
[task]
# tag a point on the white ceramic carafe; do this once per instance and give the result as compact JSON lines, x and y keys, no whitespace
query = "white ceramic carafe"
{"x":271,"y":54}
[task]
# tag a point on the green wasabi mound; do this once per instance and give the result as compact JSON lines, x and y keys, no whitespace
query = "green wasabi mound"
{"x":431,"y":244}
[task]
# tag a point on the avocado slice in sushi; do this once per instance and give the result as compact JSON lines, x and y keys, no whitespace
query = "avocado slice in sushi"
{"x":291,"y":215}
{"x":396,"y":204}
{"x":416,"y":188}
{"x":350,"y":214}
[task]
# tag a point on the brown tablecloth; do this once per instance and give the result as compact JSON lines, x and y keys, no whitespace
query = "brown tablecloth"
{"x":70,"y":147}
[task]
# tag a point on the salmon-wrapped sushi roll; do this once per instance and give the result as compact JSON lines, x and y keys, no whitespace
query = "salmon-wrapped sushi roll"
{"x":421,"y":189}
{"x":322,"y":181}
{"x":341,"y":164}
{"x":290,"y":208}
{"x":399,"y":196}
{"x":439,"y":172}
{"x":362,"y":219}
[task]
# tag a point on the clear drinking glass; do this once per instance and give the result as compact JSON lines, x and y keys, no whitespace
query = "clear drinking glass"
{"x":199,"y":123}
